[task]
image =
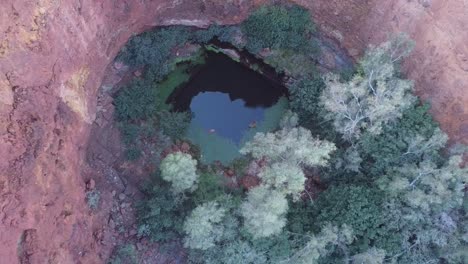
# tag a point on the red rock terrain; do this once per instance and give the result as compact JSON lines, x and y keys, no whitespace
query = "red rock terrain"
{"x":53,"y":58}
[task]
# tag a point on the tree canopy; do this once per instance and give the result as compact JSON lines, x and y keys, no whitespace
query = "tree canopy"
{"x":180,"y":169}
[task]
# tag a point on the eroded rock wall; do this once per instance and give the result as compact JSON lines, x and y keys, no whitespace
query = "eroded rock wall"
{"x":439,"y":62}
{"x":53,"y":55}
{"x":52,"y":58}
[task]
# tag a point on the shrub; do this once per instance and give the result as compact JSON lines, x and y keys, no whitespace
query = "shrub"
{"x":223,"y":33}
{"x":125,"y":254}
{"x":304,"y":96}
{"x":363,"y":209}
{"x":386,"y":150}
{"x":209,"y":188}
{"x":133,"y":153}
{"x":235,"y":252}
{"x":278,"y":27}
{"x":293,"y":63}
{"x":136,"y":101}
{"x":93,"y":198}
{"x":161,"y":214}
{"x":174,"y":124}
{"x":153,"y":47}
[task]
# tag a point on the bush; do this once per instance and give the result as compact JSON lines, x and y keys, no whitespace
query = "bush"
{"x":278,"y":27}
{"x":209,"y":188}
{"x":136,"y":101}
{"x":304,"y":96}
{"x":92,"y":198}
{"x":125,"y":254}
{"x":133,"y":153}
{"x":223,"y":33}
{"x":293,"y":63}
{"x":153,"y":47}
{"x":363,"y":209}
{"x":385,"y":151}
{"x":161,"y":215}
{"x":174,"y":124}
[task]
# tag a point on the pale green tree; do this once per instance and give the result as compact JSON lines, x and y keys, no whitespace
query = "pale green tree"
{"x":284,"y":177}
{"x":264,"y":211}
{"x":204,"y":227}
{"x":427,"y":187}
{"x":289,"y":120}
{"x":236,"y":252}
{"x":372,"y":98}
{"x":180,"y":169}
{"x":371,"y":256}
{"x":419,"y":145}
{"x":429,"y":197}
{"x":294,"y":145}
{"x":286,"y":151}
{"x":322,"y":244}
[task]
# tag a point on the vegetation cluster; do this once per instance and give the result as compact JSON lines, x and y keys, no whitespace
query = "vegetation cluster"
{"x":394,"y":194}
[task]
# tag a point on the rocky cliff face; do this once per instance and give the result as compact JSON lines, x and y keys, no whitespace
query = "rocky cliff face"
{"x":439,"y":62}
{"x":53,"y":55}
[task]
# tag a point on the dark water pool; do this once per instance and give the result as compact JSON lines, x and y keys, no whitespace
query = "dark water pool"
{"x":231,"y":102}
{"x":217,"y":113}
{"x":226,"y":97}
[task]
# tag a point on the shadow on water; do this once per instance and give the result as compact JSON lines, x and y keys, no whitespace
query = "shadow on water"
{"x":222,"y":74}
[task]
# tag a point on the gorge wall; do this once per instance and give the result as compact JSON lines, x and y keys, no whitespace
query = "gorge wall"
{"x":53,"y":55}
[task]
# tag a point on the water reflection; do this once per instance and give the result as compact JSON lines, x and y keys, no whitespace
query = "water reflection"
{"x":216,"y":113}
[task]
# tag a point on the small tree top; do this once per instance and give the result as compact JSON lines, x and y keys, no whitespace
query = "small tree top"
{"x":180,"y":169}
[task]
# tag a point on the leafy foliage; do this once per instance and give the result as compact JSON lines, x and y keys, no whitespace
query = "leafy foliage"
{"x":371,"y":99}
{"x":363,"y":209}
{"x":223,"y":33}
{"x":390,"y":148}
{"x":136,"y":101}
{"x":284,"y":177}
{"x":278,"y":27}
{"x":322,"y":244}
{"x":125,"y":254}
{"x":296,"y":145}
{"x":93,"y":198}
{"x":180,"y":170}
{"x":237,"y":251}
{"x":264,"y":212}
{"x":153,"y":47}
{"x":203,"y":226}
{"x":161,"y":215}
{"x":370,"y":256}
{"x":305,"y":98}
{"x":294,"y":63}
{"x":174,"y":124}
{"x":392,"y":195}
{"x":209,"y":188}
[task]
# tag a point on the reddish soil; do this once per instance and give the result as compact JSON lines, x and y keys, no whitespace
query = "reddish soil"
{"x":53,"y":59}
